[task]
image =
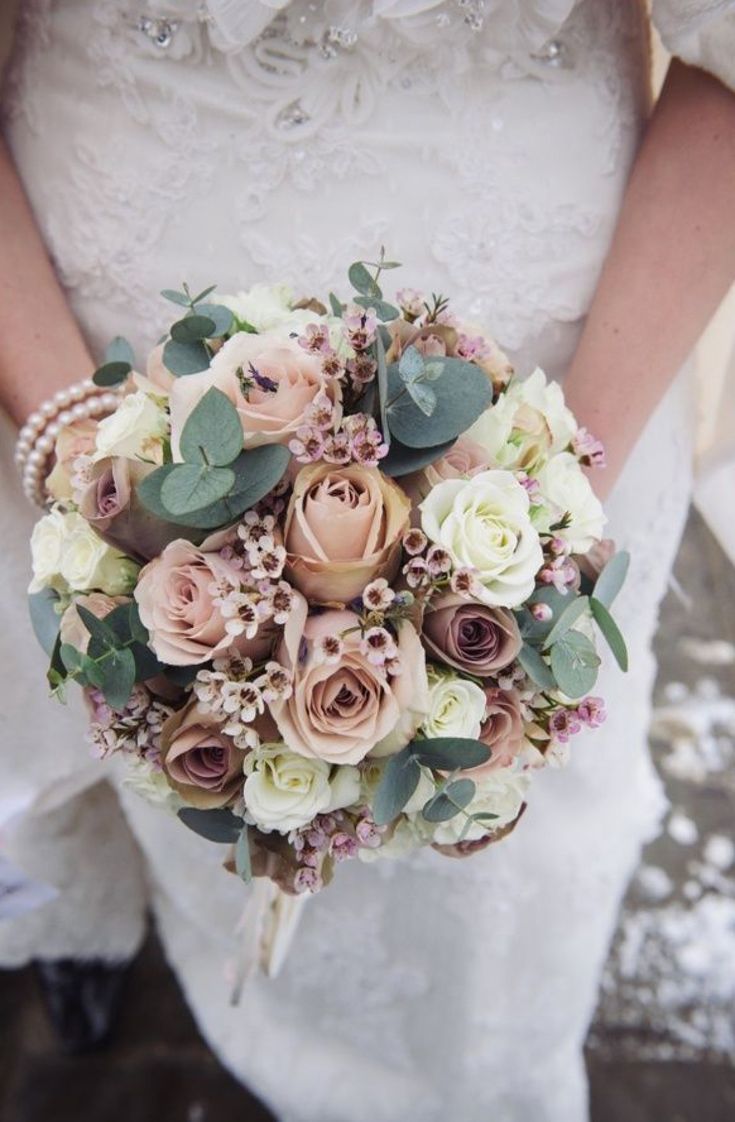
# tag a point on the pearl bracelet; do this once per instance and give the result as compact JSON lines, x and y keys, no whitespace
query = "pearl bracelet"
{"x":80,"y":402}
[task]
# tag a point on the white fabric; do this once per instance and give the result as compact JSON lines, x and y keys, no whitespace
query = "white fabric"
{"x":493,"y":164}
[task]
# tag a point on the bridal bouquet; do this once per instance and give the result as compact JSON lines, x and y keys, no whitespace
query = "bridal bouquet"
{"x":328,"y":575}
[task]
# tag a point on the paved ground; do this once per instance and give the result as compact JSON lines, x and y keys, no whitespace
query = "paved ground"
{"x":663,"y":1043}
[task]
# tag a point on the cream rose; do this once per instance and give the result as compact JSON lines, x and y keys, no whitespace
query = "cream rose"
{"x":456,"y":706}
{"x":87,"y":562}
{"x":47,"y":541}
{"x":175,"y":599}
{"x":285,"y":791}
{"x":200,"y":761}
{"x":567,"y":491}
{"x":501,"y":793}
{"x":267,"y":307}
{"x":341,"y":712}
{"x":136,"y":429}
{"x":484,"y":523}
{"x":528,"y":423}
{"x":343,"y":529}
{"x":75,"y":439}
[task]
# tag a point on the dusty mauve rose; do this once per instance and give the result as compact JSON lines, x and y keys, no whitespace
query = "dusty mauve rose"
{"x":469,"y":636}
{"x":110,"y":504}
{"x":343,"y":529}
{"x":286,"y":380}
{"x":72,"y":630}
{"x":176,"y":603}
{"x":502,"y":729}
{"x":341,"y":712}
{"x":201,"y":763}
{"x":75,"y":439}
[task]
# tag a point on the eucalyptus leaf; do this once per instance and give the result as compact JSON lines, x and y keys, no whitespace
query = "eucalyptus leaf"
{"x":118,"y":677}
{"x":384,"y":311}
{"x":218,"y":825}
{"x":361,"y":280}
{"x":191,"y":488}
{"x":536,"y":668}
{"x":574,"y":609}
{"x":382,"y":384}
{"x":221,"y":317}
{"x":99,"y":630}
{"x":111,"y":373}
{"x":411,"y":365}
{"x":449,"y":801}
{"x":185,"y":358}
{"x":212,"y":433}
{"x":537,"y":630}
{"x":175,"y":297}
{"x":611,"y":632}
{"x":424,"y":397}
{"x":446,"y":753}
{"x":71,"y":657}
{"x":203,"y":295}
{"x":45,"y":620}
{"x":612,"y":577}
{"x":402,"y":460}
{"x":336,"y":305}
{"x":462,"y":392}
{"x":192,"y":328}
{"x":243,"y":866}
{"x":574,"y":662}
{"x":398,"y":782}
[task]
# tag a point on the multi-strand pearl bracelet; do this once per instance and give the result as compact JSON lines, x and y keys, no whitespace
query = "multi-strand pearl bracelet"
{"x":80,"y":402}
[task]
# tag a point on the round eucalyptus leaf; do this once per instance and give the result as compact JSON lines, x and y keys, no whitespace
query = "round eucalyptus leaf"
{"x":450,"y":801}
{"x":221,"y":317}
{"x":213,"y":431}
{"x":111,"y":373}
{"x":574,"y":662}
{"x":398,"y":782}
{"x":218,"y":825}
{"x":462,"y":392}
{"x":361,"y":280}
{"x":192,"y":328}
{"x":446,"y":753}
{"x":192,"y":487}
{"x":185,"y":358}
{"x":402,"y":460}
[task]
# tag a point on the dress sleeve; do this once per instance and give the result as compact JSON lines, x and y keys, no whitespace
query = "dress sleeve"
{"x":699,"y":32}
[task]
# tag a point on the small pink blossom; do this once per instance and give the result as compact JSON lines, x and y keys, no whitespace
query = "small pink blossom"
{"x":315,"y":339}
{"x":411,"y":302}
{"x":360,"y":326}
{"x":592,"y":712}
{"x":541,"y":612}
{"x":377,"y":644}
{"x":588,"y":449}
{"x":564,"y":724}
{"x":307,"y":880}
{"x":378,"y":595}
{"x":415,"y":542}
{"x":328,"y":649}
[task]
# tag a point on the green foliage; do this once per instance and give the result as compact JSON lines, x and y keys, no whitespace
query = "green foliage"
{"x":213,"y":433}
{"x":219,"y":825}
{"x":576,"y":607}
{"x":611,"y":632}
{"x":462,"y":392}
{"x":451,"y":798}
{"x":447,"y":753}
{"x":243,"y":865}
{"x":185,"y":358}
{"x":336,"y":305}
{"x":362,"y":281}
{"x":192,"y":328}
{"x":536,"y":667}
{"x":398,"y":782}
{"x":45,"y":619}
{"x":119,"y":361}
{"x":574,"y":662}
{"x":402,"y":460}
{"x":611,"y":579}
{"x":190,"y":488}
{"x":221,"y":316}
{"x":383,"y":310}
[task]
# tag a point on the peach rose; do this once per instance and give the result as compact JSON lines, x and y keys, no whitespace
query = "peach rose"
{"x":75,"y":439}
{"x":343,"y":529}
{"x":341,"y":712}
{"x":175,"y":596}
{"x":464,"y":459}
{"x":72,"y":630}
{"x":470,"y":636}
{"x":201,"y":763}
{"x":502,"y":729}
{"x":270,"y":411}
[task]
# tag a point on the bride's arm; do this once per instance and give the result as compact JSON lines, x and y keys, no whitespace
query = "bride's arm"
{"x":671,"y":261}
{"x":41,"y":346}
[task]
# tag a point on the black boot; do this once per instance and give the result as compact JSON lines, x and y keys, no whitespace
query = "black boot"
{"x":82,"y":998}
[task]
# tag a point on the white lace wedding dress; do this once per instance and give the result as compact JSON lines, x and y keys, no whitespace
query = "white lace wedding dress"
{"x":487,"y":145}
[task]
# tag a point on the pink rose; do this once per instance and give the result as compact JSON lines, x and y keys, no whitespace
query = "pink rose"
{"x":469,"y":636}
{"x":502,"y":728}
{"x":343,"y":529}
{"x":202,"y":763}
{"x":270,"y":381}
{"x":175,"y":595}
{"x":345,"y":710}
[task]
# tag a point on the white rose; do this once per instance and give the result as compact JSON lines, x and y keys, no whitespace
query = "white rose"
{"x":567,"y":491}
{"x":89,"y":563}
{"x":484,"y":523}
{"x":268,"y":308}
{"x":47,"y":540}
{"x":345,"y":788}
{"x":529,"y":423}
{"x":135,"y":429}
{"x":499,"y":792}
{"x":456,"y":706}
{"x":151,"y":784}
{"x":284,"y":791}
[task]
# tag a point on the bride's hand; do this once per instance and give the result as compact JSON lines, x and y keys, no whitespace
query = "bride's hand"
{"x":670,"y":264}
